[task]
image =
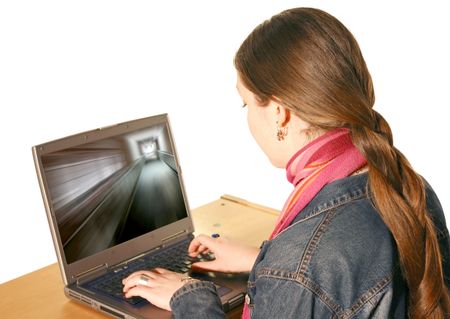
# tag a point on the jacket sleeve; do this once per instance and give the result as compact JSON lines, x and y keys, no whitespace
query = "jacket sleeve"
{"x":197,"y":299}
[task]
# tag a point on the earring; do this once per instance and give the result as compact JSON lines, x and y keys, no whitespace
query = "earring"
{"x":282,"y":132}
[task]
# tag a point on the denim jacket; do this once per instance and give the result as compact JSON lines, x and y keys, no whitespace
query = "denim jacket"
{"x":336,"y":260}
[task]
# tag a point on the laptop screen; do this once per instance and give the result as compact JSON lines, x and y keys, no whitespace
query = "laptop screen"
{"x":112,"y":190}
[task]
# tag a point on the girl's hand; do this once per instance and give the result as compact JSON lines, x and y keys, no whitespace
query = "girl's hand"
{"x":229,"y":256}
{"x":157,"y":286}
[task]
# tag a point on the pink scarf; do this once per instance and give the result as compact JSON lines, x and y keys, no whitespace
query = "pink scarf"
{"x":327,"y":158}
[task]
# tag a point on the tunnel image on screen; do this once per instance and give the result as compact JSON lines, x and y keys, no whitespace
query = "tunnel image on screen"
{"x":109,"y":191}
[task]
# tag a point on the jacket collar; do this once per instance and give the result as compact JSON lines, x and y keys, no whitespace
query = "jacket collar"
{"x":336,"y":194}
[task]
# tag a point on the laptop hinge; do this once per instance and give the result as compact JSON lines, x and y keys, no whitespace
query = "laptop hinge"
{"x":136,"y":257}
{"x":88,"y":272}
{"x":174,"y":236}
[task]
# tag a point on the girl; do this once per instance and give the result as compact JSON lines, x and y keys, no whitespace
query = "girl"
{"x":362,"y":235}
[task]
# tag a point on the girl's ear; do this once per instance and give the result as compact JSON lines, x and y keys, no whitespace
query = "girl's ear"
{"x":282,"y":114}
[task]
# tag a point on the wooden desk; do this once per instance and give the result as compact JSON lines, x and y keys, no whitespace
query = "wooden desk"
{"x":40,"y":294}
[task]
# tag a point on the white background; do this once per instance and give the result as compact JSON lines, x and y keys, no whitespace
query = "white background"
{"x":67,"y":67}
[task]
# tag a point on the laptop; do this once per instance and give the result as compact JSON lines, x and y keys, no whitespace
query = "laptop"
{"x":116,"y":203}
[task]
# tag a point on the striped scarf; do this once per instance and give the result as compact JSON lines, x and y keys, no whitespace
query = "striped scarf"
{"x":327,"y":158}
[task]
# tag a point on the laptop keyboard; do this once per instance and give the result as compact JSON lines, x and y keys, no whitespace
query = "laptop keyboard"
{"x":174,"y":258}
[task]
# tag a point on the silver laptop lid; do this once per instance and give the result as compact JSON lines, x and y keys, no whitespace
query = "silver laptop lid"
{"x":112,"y":193}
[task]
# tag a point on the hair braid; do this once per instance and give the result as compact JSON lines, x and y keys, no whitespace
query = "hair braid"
{"x":399,"y":195}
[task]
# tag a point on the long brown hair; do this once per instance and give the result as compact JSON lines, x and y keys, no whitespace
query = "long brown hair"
{"x":312,"y":63}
